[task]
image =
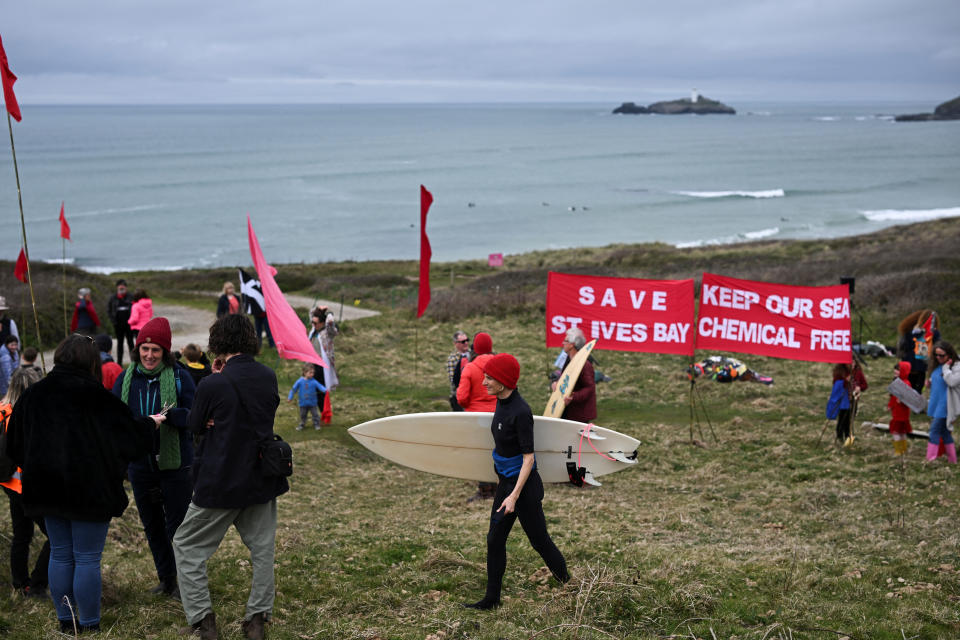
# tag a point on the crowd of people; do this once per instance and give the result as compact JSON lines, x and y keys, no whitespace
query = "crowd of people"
{"x":925,"y":362}
{"x":189,"y":434}
{"x":191,"y":452}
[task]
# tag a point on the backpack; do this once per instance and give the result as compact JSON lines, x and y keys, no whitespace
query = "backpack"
{"x":7,"y":466}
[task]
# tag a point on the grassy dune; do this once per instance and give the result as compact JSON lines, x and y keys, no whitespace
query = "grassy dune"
{"x":764,"y":531}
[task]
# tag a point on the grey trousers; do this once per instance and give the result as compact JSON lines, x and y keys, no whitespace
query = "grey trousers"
{"x":197,"y":539}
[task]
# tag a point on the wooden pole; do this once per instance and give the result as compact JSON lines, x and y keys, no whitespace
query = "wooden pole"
{"x":66,"y":327}
{"x":26,"y":251}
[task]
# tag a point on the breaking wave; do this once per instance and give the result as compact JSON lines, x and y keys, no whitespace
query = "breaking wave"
{"x":769,"y":193}
{"x":740,"y":237}
{"x":910,"y":215}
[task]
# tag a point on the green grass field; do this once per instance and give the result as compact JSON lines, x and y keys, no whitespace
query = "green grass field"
{"x":763,"y":531}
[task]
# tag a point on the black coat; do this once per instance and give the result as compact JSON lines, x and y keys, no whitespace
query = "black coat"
{"x":74,"y":439}
{"x":226,"y":467}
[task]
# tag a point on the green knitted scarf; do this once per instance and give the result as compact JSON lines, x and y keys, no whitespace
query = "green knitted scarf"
{"x":169,"y":436}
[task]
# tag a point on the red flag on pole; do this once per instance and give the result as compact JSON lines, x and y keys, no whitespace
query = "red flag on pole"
{"x":64,"y":227}
{"x":20,"y":270}
{"x":8,"y":79}
{"x":423,"y":299}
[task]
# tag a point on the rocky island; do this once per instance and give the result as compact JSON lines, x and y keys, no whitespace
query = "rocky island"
{"x":698,"y":105}
{"x":949,"y":110}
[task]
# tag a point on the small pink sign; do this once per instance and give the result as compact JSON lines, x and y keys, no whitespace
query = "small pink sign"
{"x":495,"y":260}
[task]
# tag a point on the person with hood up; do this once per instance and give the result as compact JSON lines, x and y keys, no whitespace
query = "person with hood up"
{"x":141,"y":310}
{"x":900,"y":414}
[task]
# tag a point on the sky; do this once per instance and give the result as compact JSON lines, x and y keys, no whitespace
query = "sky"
{"x":383,"y":51}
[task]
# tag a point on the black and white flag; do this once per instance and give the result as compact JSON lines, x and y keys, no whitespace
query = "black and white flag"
{"x":252,"y":294}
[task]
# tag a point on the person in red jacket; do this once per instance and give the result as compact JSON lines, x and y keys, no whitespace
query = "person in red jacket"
{"x":473,"y":396}
{"x":900,"y":414}
{"x":582,"y":404}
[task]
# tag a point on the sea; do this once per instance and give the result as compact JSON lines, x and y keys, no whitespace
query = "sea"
{"x":170,"y":187}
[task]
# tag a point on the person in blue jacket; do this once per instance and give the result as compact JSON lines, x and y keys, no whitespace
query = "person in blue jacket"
{"x":838,"y":406}
{"x":162,"y":481}
{"x":310,"y":391}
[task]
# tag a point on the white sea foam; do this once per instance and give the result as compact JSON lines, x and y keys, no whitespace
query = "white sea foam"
{"x":762,"y":233}
{"x":107,"y":270}
{"x":60,"y":261}
{"x":111,"y":211}
{"x":910,"y":215}
{"x":769,"y":193}
{"x":827,"y":118}
{"x":740,"y":237}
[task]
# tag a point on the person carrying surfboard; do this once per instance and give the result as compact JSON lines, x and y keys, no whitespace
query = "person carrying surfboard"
{"x":582,"y":404}
{"x":519,"y":492}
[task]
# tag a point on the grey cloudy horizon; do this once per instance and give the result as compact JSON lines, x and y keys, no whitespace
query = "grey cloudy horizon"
{"x":295,"y":51}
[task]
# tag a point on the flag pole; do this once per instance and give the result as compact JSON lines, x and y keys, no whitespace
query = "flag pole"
{"x":63,"y":243}
{"x":26,"y":251}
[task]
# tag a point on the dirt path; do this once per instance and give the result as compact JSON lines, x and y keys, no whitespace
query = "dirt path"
{"x":193,"y":325}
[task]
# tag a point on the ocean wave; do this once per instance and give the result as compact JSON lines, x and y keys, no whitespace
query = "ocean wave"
{"x":107,"y":270}
{"x":111,"y":211}
{"x":740,"y":237}
{"x":910,"y":215}
{"x":769,"y":193}
{"x":827,"y":118}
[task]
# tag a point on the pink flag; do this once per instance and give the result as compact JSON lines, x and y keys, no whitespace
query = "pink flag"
{"x":288,"y":331}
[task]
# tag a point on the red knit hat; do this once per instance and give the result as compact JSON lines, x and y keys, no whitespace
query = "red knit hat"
{"x":482,"y":343}
{"x":503,"y":368}
{"x":157,"y":331}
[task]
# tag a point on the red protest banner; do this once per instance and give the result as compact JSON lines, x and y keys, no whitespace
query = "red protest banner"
{"x":623,"y":314}
{"x":778,"y":320}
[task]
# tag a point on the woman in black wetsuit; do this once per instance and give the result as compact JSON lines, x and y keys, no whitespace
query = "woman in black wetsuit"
{"x":519,"y":490}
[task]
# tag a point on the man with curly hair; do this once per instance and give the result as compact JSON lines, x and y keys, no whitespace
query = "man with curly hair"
{"x":234,"y":410}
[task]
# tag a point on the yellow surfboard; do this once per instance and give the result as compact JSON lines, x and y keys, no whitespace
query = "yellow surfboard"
{"x":556,"y":405}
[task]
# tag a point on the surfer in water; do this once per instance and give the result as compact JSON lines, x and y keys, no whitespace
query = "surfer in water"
{"x":519,"y":492}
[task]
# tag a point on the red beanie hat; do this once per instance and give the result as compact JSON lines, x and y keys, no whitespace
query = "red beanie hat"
{"x":157,"y":331}
{"x":482,"y":343}
{"x":503,"y":368}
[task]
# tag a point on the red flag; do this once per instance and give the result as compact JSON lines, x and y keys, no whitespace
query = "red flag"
{"x":928,"y":327}
{"x":20,"y":270}
{"x":64,"y":227}
{"x":327,"y":414}
{"x":423,"y":299}
{"x":8,"y":79}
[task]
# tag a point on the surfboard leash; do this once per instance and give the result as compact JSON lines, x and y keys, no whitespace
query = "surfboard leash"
{"x":578,"y":473}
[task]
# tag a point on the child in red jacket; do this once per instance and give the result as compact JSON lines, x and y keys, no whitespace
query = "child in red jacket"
{"x":900,"y":414}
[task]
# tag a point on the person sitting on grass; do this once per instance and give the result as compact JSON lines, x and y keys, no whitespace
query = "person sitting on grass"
{"x":310,"y":391}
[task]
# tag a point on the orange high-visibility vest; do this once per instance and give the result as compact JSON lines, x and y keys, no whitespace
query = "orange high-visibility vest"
{"x":14,"y":482}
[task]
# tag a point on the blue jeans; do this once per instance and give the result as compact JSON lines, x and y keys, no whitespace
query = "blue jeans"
{"x":938,"y":429}
{"x":74,"y":574}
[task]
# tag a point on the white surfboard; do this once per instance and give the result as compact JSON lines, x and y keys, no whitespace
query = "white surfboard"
{"x":459,"y":445}
{"x":564,"y":389}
